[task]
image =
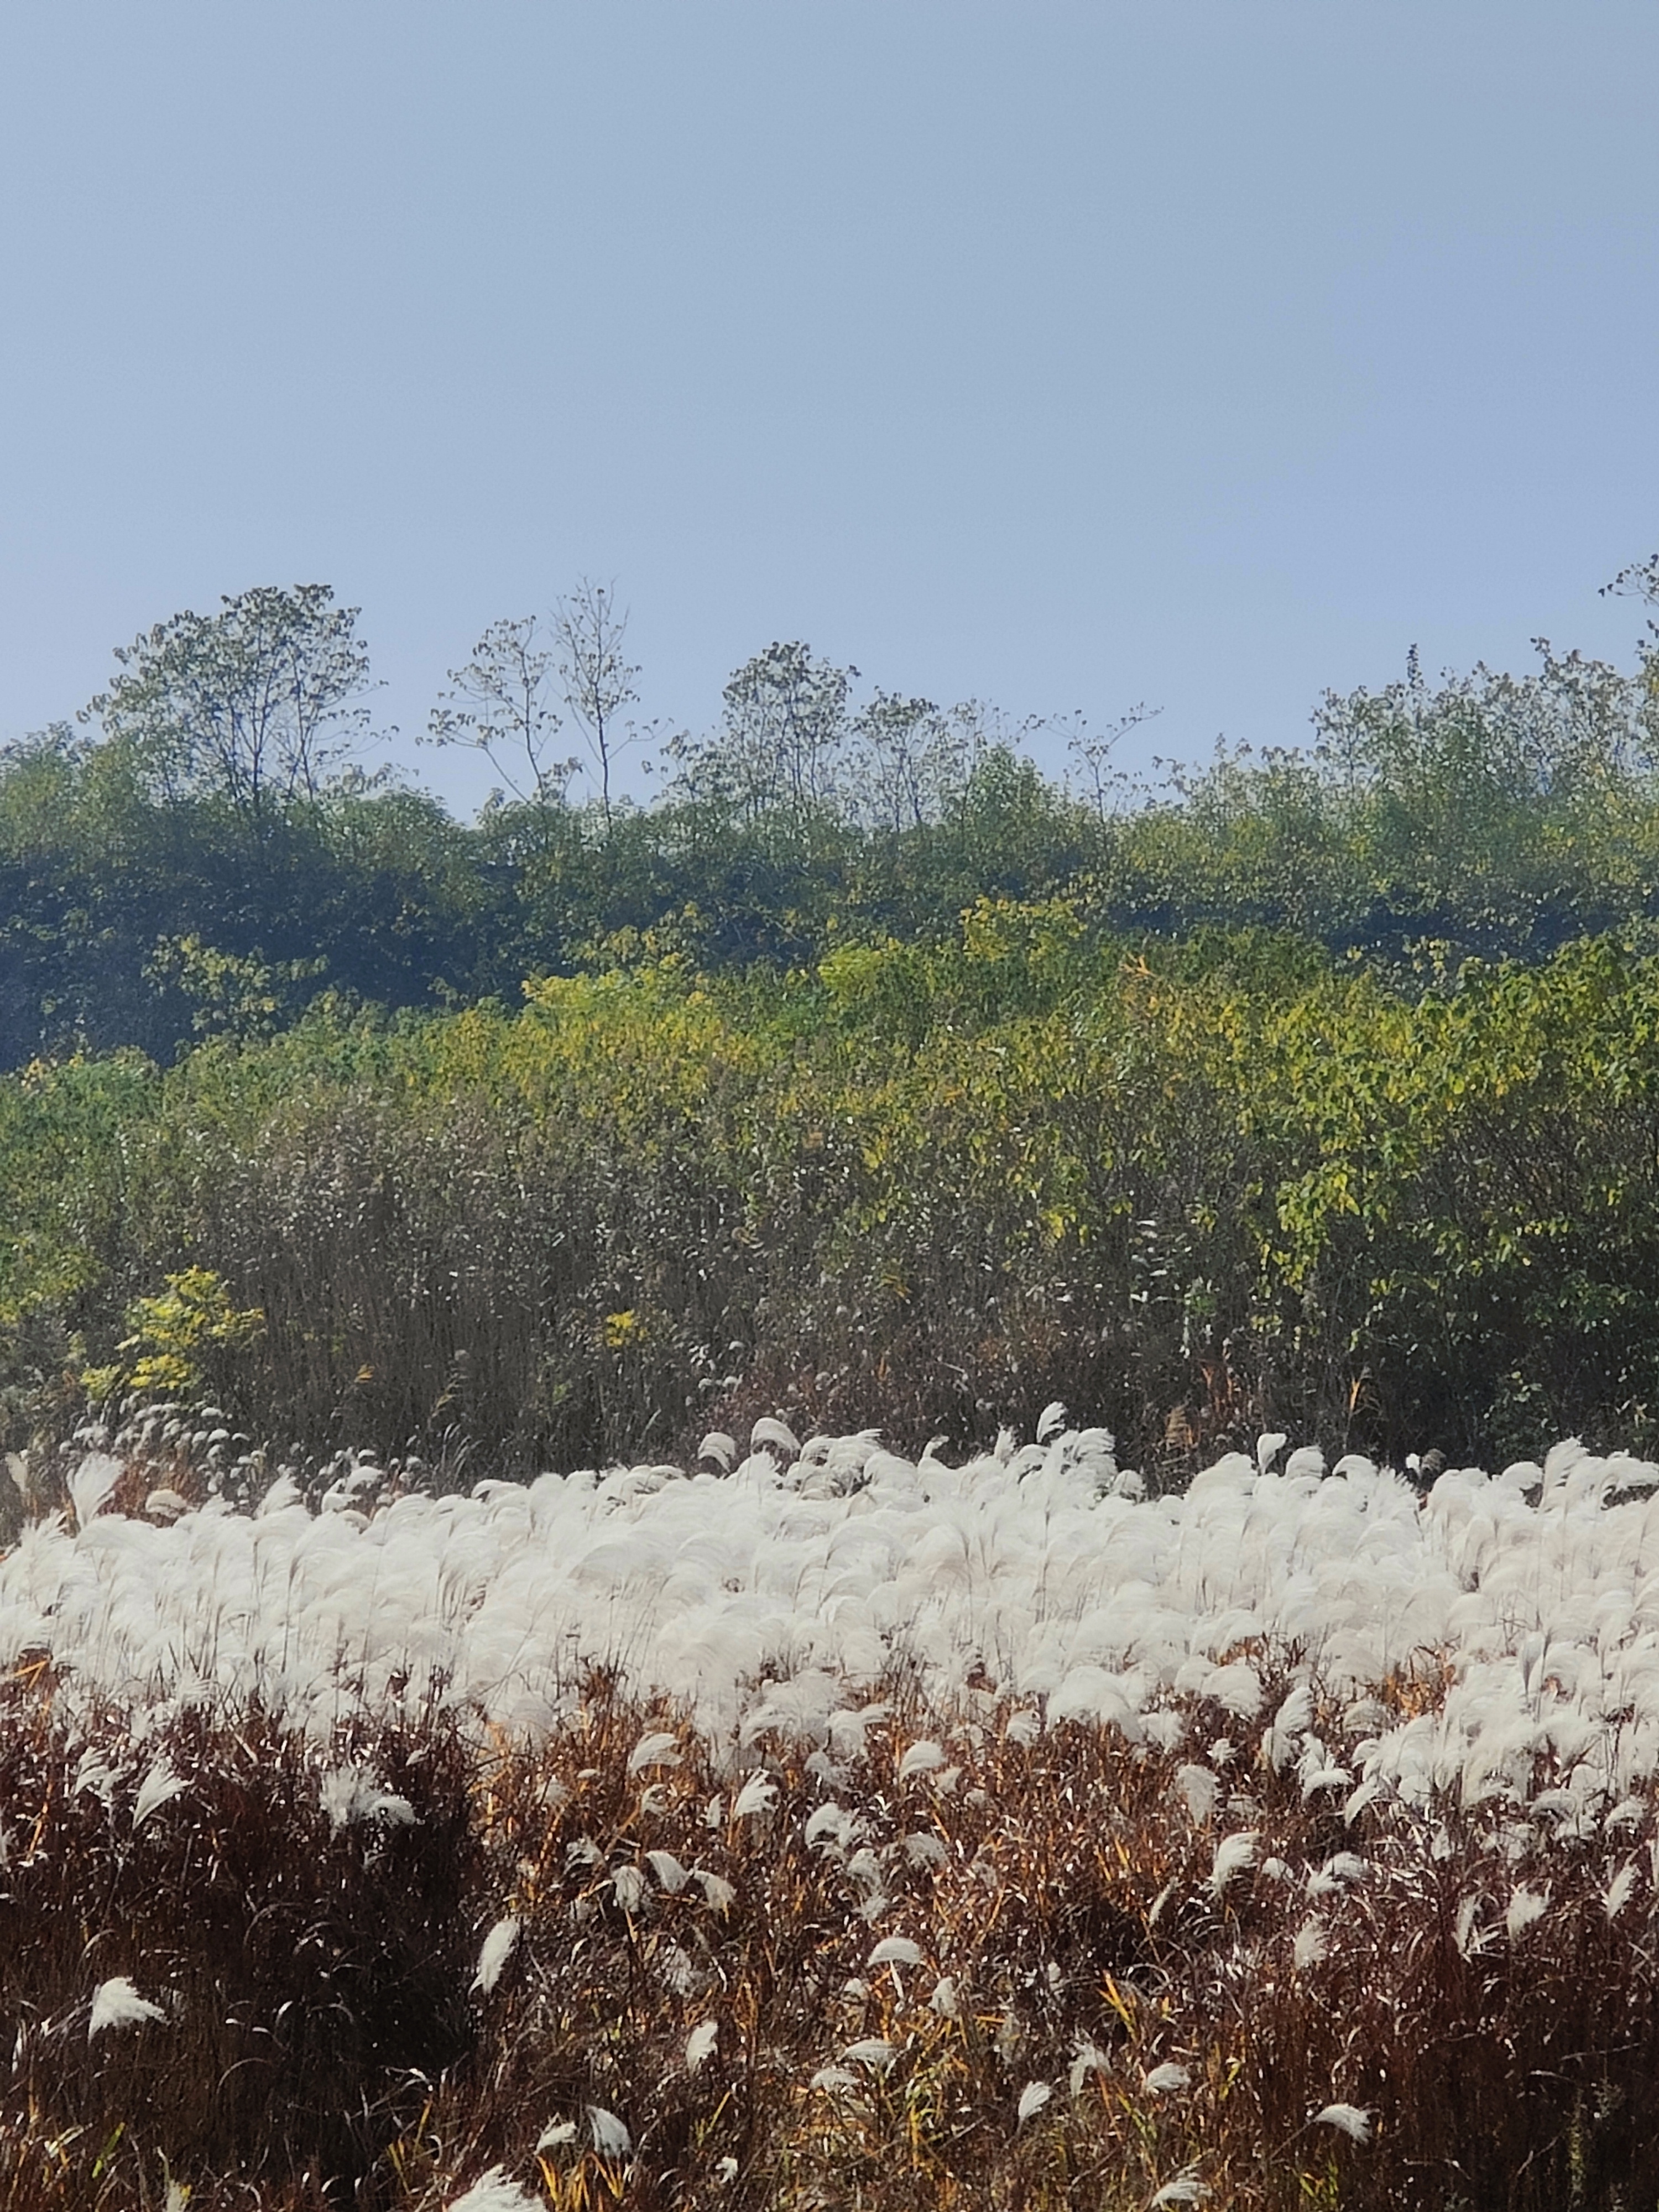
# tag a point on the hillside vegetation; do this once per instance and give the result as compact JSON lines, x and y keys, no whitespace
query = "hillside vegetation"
{"x":868,"y":1075}
{"x":1195,"y":1189}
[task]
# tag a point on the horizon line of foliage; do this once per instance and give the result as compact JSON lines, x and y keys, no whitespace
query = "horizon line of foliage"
{"x":205,"y":852}
{"x":1192,"y":1189}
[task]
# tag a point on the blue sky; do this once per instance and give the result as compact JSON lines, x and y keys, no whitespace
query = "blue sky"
{"x":1061,"y":355}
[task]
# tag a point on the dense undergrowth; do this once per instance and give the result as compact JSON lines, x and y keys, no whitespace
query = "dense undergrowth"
{"x":1052,"y":1915}
{"x":870,"y":1074}
{"x":1291,"y":1843}
{"x":1204,"y":1188}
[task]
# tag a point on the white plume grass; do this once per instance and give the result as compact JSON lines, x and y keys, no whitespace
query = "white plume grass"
{"x":116,"y":2003}
{"x":758,"y":1606}
{"x":609,"y":2134}
{"x":92,"y":1485}
{"x":1617,"y":1894}
{"x":493,"y":2192}
{"x":659,"y":1748}
{"x":497,"y":1948}
{"x":1525,"y":1907}
{"x":1051,"y":1422}
{"x":1032,"y":2098}
{"x":631,"y":1889}
{"x":875,"y":2052}
{"x":1090,"y":2059}
{"x":1311,"y":1946}
{"x":1233,"y":1855}
{"x":758,"y":1795}
{"x":1476,"y":1672}
{"x":1351,"y":2120}
{"x":895,"y":1951}
{"x":160,"y":1786}
{"x":351,"y":1798}
{"x":670,"y":1875}
{"x":1164,"y":2078}
{"x":1199,"y":1788}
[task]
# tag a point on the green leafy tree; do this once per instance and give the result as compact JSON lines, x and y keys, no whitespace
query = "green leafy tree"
{"x":253,"y":709}
{"x":780,"y":746}
{"x":910,"y":762}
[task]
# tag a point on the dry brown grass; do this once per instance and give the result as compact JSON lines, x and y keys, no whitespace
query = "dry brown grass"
{"x":323,"y":2047}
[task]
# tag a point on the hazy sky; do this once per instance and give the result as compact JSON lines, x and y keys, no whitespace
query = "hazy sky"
{"x":1063,"y":356}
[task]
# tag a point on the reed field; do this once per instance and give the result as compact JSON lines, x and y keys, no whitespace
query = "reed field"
{"x":814,"y":1825}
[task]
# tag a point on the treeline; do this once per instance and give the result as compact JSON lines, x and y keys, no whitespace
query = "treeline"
{"x":869,"y":1074}
{"x":1196,"y":1192}
{"x":205,"y":852}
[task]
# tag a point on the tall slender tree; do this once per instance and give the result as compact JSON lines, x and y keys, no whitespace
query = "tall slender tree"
{"x":598,"y":678}
{"x":500,"y":704}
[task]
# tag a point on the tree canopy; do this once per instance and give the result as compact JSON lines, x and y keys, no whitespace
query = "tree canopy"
{"x":210,"y":814}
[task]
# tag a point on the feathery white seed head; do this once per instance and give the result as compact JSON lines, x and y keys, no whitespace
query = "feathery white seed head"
{"x":659,"y":1748}
{"x":1617,"y":1894}
{"x":610,"y":2136}
{"x":672,"y":1877}
{"x":1032,"y":2098}
{"x":1526,"y":1905}
{"x":1199,"y":1787}
{"x":351,"y":1798}
{"x":1310,"y":1947}
{"x":895,"y":1951}
{"x":630,"y":1888}
{"x":493,"y":2192}
{"x":873,"y":2051}
{"x":496,"y":1949}
{"x":1091,"y":2059}
{"x":1354,"y":2120}
{"x":1162,"y":2079}
{"x":757,"y":1796}
{"x":158,"y":1787}
{"x":117,"y":2003}
{"x":1233,"y":1854}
